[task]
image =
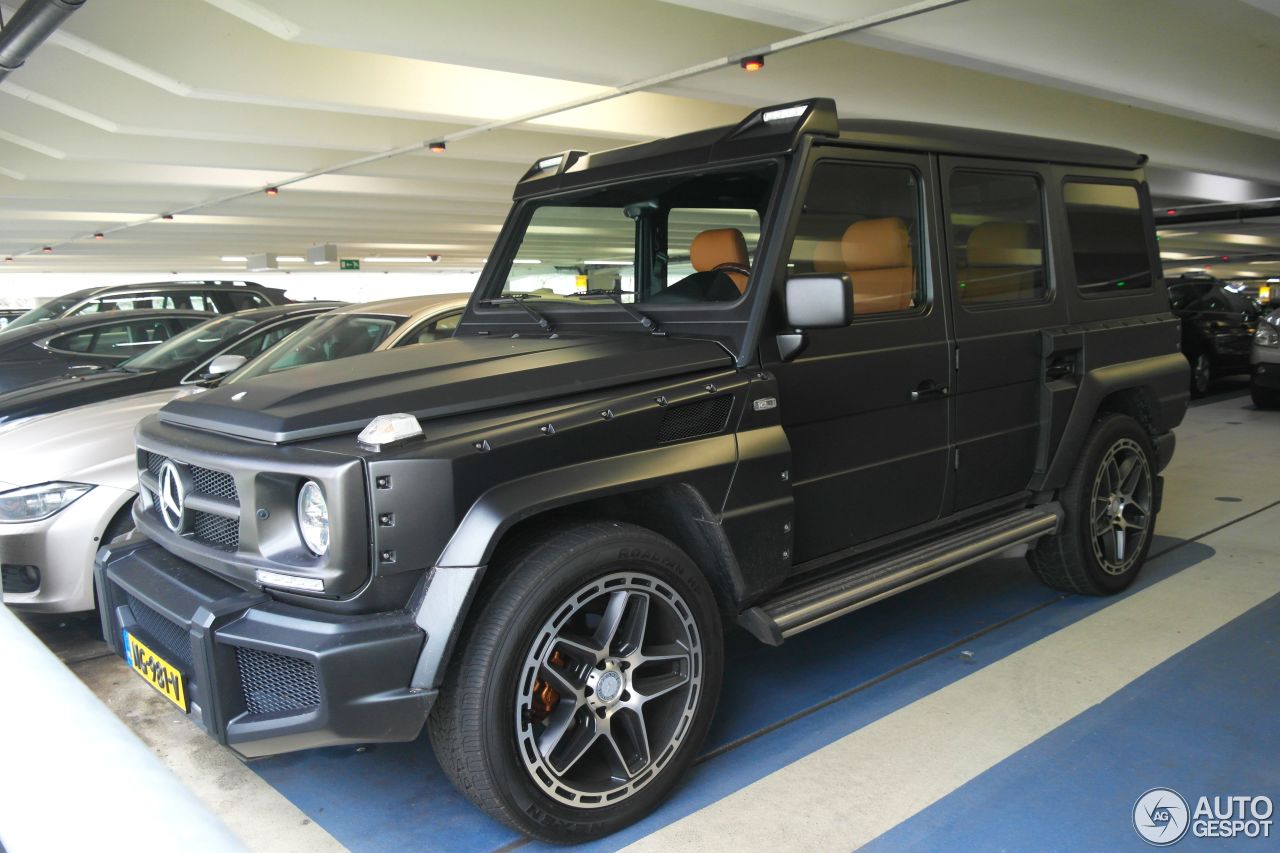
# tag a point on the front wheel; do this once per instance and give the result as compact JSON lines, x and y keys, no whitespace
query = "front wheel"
{"x":1109,"y":513}
{"x":584,"y":686}
{"x":1201,"y":374}
{"x":1264,"y":398}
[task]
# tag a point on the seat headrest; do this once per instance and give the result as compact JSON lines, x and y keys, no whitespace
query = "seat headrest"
{"x":1003,"y":244}
{"x":874,"y":244}
{"x":718,"y":246}
{"x":828,"y":256}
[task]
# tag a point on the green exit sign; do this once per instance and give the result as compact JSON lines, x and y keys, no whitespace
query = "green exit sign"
{"x":349,"y":264}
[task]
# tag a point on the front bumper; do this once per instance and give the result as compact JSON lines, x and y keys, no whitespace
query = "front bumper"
{"x":265,"y":677}
{"x":61,"y":547}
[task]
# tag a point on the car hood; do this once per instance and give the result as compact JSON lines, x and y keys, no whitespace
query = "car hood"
{"x":71,"y":390}
{"x":449,"y":377}
{"x":87,"y":444}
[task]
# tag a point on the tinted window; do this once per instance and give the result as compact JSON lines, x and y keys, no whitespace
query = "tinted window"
{"x":863,"y":221}
{"x":239,"y":300}
{"x":125,"y":338}
{"x":48,"y":311}
{"x":254,"y":345}
{"x":997,"y":238}
{"x":1108,"y":239}
{"x":192,"y":345}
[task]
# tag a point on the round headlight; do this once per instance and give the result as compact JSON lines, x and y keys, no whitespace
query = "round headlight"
{"x":313,"y":518}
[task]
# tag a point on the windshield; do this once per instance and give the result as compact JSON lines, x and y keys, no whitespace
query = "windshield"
{"x":325,"y":339}
{"x":192,"y":346}
{"x":51,"y":310}
{"x":678,"y":239}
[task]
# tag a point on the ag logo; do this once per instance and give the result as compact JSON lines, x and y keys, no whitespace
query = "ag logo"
{"x":1160,"y":816}
{"x":173,"y":496}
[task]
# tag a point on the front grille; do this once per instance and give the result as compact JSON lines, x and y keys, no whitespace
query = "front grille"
{"x":273,"y":683}
{"x":173,"y":639}
{"x":216,"y":530}
{"x":215,"y":483}
{"x":691,"y":420}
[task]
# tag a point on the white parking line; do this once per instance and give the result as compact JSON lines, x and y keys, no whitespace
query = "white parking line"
{"x":851,"y":791}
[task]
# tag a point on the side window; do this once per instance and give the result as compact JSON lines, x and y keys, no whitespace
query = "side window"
{"x":238,"y":300}
{"x":124,"y":339}
{"x":435,"y":330}
{"x":997,"y":238}
{"x":1108,"y":239}
{"x":864,"y":221}
{"x":255,"y":345}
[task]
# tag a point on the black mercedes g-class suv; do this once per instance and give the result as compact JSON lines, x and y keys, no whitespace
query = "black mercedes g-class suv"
{"x":761,"y":375}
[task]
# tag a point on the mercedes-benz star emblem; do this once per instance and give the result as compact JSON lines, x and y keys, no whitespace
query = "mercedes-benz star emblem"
{"x":173,"y":496}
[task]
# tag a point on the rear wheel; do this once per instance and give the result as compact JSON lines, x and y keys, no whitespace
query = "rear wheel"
{"x":585,"y":685}
{"x":1109,"y":507}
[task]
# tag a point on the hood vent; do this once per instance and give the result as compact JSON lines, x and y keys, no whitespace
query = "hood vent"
{"x":694,"y":420}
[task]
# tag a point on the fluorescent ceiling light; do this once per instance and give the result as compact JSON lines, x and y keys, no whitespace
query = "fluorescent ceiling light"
{"x":233,"y":259}
{"x":1265,"y":262}
{"x":1175,"y":256}
{"x":625,"y":263}
{"x":785,"y":113}
{"x":532,"y":261}
{"x":428,"y":260}
{"x":290,"y":259}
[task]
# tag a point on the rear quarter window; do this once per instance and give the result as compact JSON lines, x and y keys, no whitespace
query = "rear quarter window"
{"x":1108,"y":238}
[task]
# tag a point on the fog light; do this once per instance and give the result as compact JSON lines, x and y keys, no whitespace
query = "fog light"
{"x":289,"y":581}
{"x":19,"y":578}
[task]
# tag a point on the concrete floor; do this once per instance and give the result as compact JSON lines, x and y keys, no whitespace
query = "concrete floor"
{"x":931,"y":721}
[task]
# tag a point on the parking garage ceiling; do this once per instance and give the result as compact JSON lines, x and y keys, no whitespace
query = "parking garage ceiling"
{"x":137,"y":108}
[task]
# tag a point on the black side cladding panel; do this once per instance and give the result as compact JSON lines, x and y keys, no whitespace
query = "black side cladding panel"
{"x":694,"y":420}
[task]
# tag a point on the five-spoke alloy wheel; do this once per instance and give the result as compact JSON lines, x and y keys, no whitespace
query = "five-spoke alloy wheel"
{"x":1109,"y":505}
{"x":585,"y":684}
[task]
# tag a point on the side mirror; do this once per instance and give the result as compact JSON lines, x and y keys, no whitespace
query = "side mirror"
{"x":814,"y":301}
{"x":224,"y":364}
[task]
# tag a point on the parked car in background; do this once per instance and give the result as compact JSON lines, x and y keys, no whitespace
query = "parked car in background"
{"x":359,"y":329}
{"x":68,"y":479}
{"x":9,"y":314}
{"x":1218,"y":324}
{"x":215,"y":347}
{"x":216,"y":297}
{"x":88,"y":342}
{"x":1264,"y":360}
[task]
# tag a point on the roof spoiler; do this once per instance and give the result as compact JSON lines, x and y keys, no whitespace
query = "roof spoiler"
{"x":550,"y":166}
{"x":816,"y":116}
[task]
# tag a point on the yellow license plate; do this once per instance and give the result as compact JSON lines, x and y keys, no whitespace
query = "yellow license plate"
{"x":158,"y":672}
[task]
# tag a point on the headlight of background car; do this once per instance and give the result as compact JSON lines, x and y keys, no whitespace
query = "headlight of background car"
{"x":313,"y":518}
{"x":1266,"y":336}
{"x":32,"y":503}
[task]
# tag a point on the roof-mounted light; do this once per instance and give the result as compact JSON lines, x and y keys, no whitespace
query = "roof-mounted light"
{"x":389,"y":430}
{"x":785,"y":113}
{"x":550,"y":162}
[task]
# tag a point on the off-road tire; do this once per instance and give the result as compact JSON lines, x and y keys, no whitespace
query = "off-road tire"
{"x":1067,"y":560}
{"x":474,"y":726}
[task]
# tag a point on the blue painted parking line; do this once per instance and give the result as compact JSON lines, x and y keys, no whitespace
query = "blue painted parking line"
{"x":395,"y":796}
{"x":1169,"y":728}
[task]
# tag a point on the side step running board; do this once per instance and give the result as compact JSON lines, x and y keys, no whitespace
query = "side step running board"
{"x":821,"y":601}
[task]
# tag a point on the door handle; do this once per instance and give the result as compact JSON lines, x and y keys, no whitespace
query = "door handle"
{"x":928,"y":388}
{"x":1058,"y":367}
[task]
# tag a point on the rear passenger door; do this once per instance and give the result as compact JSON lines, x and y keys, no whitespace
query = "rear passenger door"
{"x":865,"y":406}
{"x":1003,"y":294}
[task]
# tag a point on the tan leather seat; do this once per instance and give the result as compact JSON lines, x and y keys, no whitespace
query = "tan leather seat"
{"x":1002,"y":262}
{"x":877,"y":256}
{"x":718,"y":247}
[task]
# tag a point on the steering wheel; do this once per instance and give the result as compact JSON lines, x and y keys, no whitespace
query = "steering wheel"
{"x":729,"y":266}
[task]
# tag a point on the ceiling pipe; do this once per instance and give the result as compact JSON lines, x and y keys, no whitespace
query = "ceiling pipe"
{"x":31,"y":25}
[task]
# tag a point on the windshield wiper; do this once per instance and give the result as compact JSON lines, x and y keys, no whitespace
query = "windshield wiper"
{"x":616,"y":297}
{"x":519,"y":299}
